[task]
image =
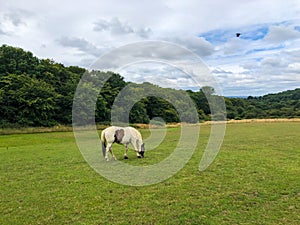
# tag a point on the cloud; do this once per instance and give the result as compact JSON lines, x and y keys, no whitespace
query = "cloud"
{"x":17,"y":17}
{"x":198,"y":45}
{"x":234,"y":46}
{"x":257,"y":66}
{"x":15,"y":23}
{"x":80,"y":44}
{"x":262,"y":60}
{"x":2,"y":32}
{"x":294,"y":67}
{"x":282,"y":34}
{"x":292,"y":55}
{"x":144,"y":32}
{"x":221,"y":71}
{"x":268,"y":73}
{"x":116,"y":27}
{"x":160,"y":74}
{"x":140,"y":51}
{"x":273,"y":62}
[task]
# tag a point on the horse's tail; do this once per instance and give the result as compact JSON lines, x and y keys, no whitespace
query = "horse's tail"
{"x":103,"y":140}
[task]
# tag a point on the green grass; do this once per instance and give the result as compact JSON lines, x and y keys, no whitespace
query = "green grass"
{"x":254,"y":180}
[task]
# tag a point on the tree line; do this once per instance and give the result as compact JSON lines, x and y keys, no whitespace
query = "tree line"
{"x":40,"y":92}
{"x":285,"y":104}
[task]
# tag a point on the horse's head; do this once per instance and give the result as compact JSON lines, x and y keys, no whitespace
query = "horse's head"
{"x":142,"y":151}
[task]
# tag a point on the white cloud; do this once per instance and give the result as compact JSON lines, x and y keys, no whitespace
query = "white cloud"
{"x":294,"y":67}
{"x":196,"y":44}
{"x":80,"y":44}
{"x":160,"y":74}
{"x":273,"y":62}
{"x":264,"y":59}
{"x":282,"y":34}
{"x":116,"y":27}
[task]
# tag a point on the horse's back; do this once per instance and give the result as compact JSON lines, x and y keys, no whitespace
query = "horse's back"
{"x":108,"y":134}
{"x":134,"y":132}
{"x":121,"y":135}
{"x":129,"y":134}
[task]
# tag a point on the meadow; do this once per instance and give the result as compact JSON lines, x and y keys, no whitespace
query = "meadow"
{"x":253,"y":180}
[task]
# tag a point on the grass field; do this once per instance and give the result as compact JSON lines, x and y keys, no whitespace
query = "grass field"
{"x":254,"y":180}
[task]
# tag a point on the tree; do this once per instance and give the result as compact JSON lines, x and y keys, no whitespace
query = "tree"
{"x":84,"y":104}
{"x":16,"y":61}
{"x":27,"y":101}
{"x":200,"y":100}
{"x":41,"y":92}
{"x":138,"y":113}
{"x":207,"y":90}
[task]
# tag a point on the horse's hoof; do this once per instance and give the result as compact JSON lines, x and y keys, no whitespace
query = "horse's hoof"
{"x":139,"y":156}
{"x":125,"y":157}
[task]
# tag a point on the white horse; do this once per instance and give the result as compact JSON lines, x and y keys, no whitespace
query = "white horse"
{"x":122,"y":135}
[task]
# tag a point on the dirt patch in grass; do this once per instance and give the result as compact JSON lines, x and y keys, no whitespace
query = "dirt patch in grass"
{"x":61,"y":128}
{"x":264,"y":120}
{"x":146,"y":126}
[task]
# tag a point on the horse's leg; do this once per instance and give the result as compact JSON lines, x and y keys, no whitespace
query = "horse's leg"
{"x":109,"y":149}
{"x":134,"y":144}
{"x":112,"y":153}
{"x":125,"y":154}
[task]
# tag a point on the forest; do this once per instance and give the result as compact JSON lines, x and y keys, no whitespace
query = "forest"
{"x":40,"y":92}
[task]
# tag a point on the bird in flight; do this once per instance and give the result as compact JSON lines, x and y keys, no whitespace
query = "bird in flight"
{"x":238,"y":34}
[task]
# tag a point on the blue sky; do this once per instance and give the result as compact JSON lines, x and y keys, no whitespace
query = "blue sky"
{"x":264,"y":59}
{"x":255,"y":32}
